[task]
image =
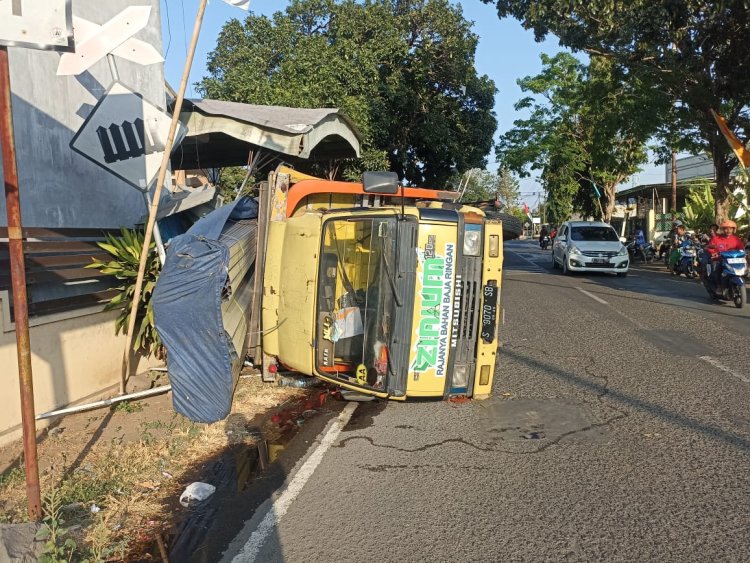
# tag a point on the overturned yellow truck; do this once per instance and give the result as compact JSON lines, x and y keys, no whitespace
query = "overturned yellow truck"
{"x":386,"y":290}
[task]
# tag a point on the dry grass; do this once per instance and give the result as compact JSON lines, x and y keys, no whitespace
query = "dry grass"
{"x":133,"y":481}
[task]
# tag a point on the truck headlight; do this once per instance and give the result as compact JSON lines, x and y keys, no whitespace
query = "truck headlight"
{"x":472,"y":240}
{"x":460,"y":377}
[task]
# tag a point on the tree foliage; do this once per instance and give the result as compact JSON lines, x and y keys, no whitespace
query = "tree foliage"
{"x":484,"y":185}
{"x":402,"y":70}
{"x":585,"y":133}
{"x":695,"y":52}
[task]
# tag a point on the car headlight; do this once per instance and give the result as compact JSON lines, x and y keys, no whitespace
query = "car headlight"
{"x":473,"y":240}
{"x":623,"y":251}
{"x":574,"y":250}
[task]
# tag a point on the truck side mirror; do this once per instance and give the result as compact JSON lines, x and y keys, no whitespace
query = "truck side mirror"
{"x":380,"y":182}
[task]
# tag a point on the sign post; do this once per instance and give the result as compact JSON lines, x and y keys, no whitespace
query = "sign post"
{"x":18,"y":284}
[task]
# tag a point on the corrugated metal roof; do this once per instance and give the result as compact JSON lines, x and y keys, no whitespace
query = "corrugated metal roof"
{"x":222,"y":133}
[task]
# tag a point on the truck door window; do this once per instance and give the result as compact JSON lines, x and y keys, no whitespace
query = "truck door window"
{"x":356,"y":294}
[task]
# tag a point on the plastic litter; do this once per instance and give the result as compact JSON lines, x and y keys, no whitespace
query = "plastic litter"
{"x":196,"y":492}
{"x":304,"y":382}
{"x":95,"y":509}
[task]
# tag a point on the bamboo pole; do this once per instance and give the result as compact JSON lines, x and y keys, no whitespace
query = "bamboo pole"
{"x":18,"y":284}
{"x":157,"y":193}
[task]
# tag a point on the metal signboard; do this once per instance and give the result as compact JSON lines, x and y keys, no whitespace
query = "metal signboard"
{"x":125,"y":135}
{"x":115,"y":36}
{"x":37,"y":24}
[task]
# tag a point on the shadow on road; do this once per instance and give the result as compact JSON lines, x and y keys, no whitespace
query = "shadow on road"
{"x":644,"y":294}
{"x":601,"y":389}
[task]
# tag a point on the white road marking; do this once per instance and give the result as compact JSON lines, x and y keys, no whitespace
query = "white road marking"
{"x":594,"y":297}
{"x":718,"y":365}
{"x":538,"y":268}
{"x":282,"y":503}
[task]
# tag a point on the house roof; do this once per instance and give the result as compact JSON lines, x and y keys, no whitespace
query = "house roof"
{"x":222,"y":133}
{"x":662,"y":190}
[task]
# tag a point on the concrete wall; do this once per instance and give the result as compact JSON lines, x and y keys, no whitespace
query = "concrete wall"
{"x":60,"y":188}
{"x":73,"y":360}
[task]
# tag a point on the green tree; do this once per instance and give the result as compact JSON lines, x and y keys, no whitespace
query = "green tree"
{"x":694,"y":52}
{"x":402,"y":70}
{"x":586,"y":132}
{"x":483,"y":185}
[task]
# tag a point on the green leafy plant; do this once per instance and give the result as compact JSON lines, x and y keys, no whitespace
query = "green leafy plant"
{"x":57,"y":548}
{"x":699,"y":211}
{"x":126,"y":252}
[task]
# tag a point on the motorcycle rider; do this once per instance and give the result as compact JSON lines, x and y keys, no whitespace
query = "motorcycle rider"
{"x":543,"y":233}
{"x":722,"y":241}
{"x":678,"y":239}
{"x":713,"y":229}
{"x":664,"y":247}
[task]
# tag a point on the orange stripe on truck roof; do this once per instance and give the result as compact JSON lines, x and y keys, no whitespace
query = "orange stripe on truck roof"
{"x":300,"y":190}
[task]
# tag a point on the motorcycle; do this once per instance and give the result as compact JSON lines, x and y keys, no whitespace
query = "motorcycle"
{"x":645,"y":252}
{"x":731,"y":287}
{"x":687,"y":262}
{"x":544,"y":242}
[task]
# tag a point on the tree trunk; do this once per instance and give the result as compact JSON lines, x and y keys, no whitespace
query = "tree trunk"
{"x":722,"y":190}
{"x":609,"y":205}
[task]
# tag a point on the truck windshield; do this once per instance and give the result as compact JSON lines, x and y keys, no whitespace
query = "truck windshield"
{"x":357,"y":292}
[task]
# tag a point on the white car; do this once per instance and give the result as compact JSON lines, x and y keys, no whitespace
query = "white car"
{"x":589,"y":246}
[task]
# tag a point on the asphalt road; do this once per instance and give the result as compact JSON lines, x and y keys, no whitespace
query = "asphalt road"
{"x":619,"y":430}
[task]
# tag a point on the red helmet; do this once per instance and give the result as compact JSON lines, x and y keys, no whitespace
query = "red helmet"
{"x":728,"y":223}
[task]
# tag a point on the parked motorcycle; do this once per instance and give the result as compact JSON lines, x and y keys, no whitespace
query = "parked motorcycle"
{"x":732,"y":266}
{"x":544,"y":243}
{"x":687,"y":262}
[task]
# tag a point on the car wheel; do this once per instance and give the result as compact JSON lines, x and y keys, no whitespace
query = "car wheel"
{"x":566,"y":271}
{"x":554,"y":264}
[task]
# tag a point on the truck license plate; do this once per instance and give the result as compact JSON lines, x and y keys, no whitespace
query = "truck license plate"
{"x":489,"y":313}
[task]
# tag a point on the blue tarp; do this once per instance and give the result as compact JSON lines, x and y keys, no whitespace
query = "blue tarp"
{"x":187,"y":313}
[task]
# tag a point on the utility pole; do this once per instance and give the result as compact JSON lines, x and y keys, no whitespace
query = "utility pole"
{"x":674,"y":185}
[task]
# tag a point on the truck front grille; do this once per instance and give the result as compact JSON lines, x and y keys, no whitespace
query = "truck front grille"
{"x":466,"y":321}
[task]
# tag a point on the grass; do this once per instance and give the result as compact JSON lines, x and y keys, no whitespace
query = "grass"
{"x":132,"y":478}
{"x":128,"y":406}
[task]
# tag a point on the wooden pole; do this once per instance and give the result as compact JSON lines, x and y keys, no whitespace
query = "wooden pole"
{"x":674,"y":185}
{"x":18,"y":284}
{"x":157,"y":193}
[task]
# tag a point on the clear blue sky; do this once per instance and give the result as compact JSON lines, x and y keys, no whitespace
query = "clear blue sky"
{"x":505,"y":53}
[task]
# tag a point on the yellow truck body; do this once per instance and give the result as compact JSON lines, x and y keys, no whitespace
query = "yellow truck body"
{"x":395,"y":295}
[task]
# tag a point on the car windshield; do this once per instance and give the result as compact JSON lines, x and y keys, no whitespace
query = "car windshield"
{"x":594,"y":234}
{"x":356,"y":296}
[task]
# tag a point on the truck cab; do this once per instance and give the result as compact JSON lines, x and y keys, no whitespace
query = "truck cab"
{"x":387,"y":290}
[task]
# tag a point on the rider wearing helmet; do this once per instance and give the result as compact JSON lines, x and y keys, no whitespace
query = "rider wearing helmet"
{"x":679,"y":238}
{"x":725,"y":239}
